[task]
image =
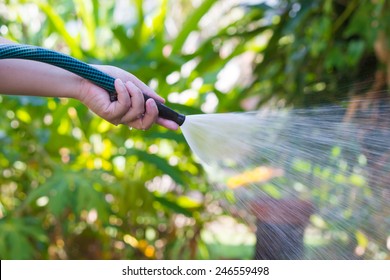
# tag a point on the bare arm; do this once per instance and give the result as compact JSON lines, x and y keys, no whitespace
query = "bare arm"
{"x":5,"y":41}
{"x":25,"y":77}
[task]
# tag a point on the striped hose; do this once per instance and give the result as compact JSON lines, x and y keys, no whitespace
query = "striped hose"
{"x":80,"y":68}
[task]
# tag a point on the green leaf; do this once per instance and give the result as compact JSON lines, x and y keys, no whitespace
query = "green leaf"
{"x":85,"y":10}
{"x":158,"y":22}
{"x":88,"y":198}
{"x":191,"y":24}
{"x":161,"y":163}
{"x":188,"y":203}
{"x":272,"y":190}
{"x":59,"y":196}
{"x":23,"y":116}
{"x":37,"y":193}
{"x":171,"y":135}
{"x":20,"y":248}
{"x":60,"y":26}
{"x":230,"y":197}
{"x":355,"y":51}
{"x":361,"y":239}
{"x":17,"y":237}
{"x":357,"y":180}
{"x":203,"y":250}
{"x":172,"y":205}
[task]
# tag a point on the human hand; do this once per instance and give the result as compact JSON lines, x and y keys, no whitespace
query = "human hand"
{"x":130,"y":109}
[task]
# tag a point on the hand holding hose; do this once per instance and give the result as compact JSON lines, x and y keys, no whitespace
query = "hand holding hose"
{"x":101,"y":88}
{"x":130,"y":109}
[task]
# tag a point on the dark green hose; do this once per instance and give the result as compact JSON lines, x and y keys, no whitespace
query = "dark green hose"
{"x":80,"y":68}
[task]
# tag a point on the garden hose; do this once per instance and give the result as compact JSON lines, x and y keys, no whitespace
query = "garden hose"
{"x":80,"y":68}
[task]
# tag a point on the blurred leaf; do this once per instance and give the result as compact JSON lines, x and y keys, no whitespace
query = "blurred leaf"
{"x":203,"y":250}
{"x":173,"y":205}
{"x":88,"y":198}
{"x":361,"y":239}
{"x":358,"y":180}
{"x":188,"y":203}
{"x":17,"y":237}
{"x":272,"y":191}
{"x":59,"y":194}
{"x":158,"y":22}
{"x":140,"y":23}
{"x":355,"y":51}
{"x":161,"y":163}
{"x":85,"y":10}
{"x":60,"y":26}
{"x":23,"y":116}
{"x":191,"y":24}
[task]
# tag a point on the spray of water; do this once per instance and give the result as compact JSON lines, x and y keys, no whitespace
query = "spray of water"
{"x":304,"y":173}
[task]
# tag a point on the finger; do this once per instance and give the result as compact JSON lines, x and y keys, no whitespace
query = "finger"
{"x":137,"y":108}
{"x":145,"y":89}
{"x":167,"y":123}
{"x":124,"y":102}
{"x":137,"y":124}
{"x":151,"y":114}
{"x":137,"y":99}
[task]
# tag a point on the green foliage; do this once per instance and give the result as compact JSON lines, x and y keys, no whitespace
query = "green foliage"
{"x":82,"y":179}
{"x":18,"y":237}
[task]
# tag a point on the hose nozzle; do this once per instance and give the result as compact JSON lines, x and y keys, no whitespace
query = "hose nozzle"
{"x":167,"y":113}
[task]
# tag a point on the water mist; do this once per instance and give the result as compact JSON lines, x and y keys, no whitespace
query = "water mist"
{"x":305,"y":155}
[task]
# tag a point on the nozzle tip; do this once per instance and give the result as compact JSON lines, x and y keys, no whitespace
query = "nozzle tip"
{"x":180,"y":119}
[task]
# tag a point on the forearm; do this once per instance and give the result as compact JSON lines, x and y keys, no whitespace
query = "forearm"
{"x":5,"y":41}
{"x":25,"y":77}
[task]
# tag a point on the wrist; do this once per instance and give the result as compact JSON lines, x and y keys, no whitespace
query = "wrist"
{"x":83,"y":86}
{"x":73,"y":88}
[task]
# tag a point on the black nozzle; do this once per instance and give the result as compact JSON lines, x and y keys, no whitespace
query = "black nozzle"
{"x":180,"y":119}
{"x":167,"y":113}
